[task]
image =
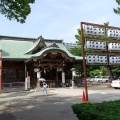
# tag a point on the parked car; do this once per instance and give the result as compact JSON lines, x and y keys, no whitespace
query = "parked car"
{"x":115,"y":83}
{"x":96,"y":79}
{"x":101,"y":79}
{"x":105,"y":79}
{"x":90,"y":79}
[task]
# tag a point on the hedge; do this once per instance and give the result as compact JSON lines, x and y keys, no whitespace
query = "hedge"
{"x":107,"y":110}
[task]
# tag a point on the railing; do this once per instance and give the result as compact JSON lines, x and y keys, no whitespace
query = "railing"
{"x":13,"y":86}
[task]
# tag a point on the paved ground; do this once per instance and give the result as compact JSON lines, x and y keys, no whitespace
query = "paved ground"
{"x":56,"y":105}
{"x":36,"y":106}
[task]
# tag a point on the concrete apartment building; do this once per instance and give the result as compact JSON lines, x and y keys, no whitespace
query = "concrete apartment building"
{"x":69,"y":46}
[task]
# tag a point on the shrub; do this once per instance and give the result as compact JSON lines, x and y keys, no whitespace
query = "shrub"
{"x":107,"y":110}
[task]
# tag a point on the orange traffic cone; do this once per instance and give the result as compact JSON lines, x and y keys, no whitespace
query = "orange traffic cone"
{"x":83,"y":97}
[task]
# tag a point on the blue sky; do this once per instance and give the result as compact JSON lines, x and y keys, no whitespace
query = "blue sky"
{"x":60,"y":19}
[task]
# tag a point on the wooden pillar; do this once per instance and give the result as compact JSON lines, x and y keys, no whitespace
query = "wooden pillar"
{"x":56,"y":77}
{"x":0,"y":71}
{"x":84,"y":60}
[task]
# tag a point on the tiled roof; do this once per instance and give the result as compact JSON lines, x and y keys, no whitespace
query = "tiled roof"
{"x":16,"y":48}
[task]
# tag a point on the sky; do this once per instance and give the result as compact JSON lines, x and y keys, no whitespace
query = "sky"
{"x":60,"y":19}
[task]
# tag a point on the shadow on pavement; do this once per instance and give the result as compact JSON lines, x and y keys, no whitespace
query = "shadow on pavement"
{"x":39,"y":107}
{"x":7,"y":116}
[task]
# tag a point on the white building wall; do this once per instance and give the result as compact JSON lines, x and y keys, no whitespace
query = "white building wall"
{"x":69,"y":46}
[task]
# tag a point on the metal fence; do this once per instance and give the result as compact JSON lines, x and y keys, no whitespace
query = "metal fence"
{"x":14,"y":86}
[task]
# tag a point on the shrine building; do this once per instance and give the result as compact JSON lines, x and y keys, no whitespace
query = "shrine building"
{"x":36,"y":58}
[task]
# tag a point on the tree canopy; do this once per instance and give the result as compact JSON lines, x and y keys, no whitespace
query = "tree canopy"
{"x":117,"y":10}
{"x":78,"y":37}
{"x":16,"y":9}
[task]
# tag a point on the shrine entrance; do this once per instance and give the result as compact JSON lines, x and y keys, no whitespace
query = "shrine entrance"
{"x":53,"y":66}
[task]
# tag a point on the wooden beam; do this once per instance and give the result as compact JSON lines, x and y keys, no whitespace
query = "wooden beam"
{"x":0,"y":71}
{"x":49,"y":64}
{"x":49,"y":60}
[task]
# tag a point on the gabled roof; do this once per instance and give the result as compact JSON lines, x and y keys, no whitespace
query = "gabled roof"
{"x":25,"y":48}
{"x":38,"y":44}
{"x":52,"y":49}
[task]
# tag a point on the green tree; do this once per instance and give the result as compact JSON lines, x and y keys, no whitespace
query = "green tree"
{"x":76,"y":51}
{"x":95,"y":72}
{"x":117,"y":10}
{"x":116,"y":71}
{"x":78,"y":37}
{"x":103,"y":71}
{"x":16,"y":9}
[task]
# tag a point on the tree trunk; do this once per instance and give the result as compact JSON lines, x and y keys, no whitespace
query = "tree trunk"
{"x":110,"y":72}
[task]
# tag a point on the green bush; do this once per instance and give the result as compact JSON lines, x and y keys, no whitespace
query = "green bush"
{"x":107,"y":110}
